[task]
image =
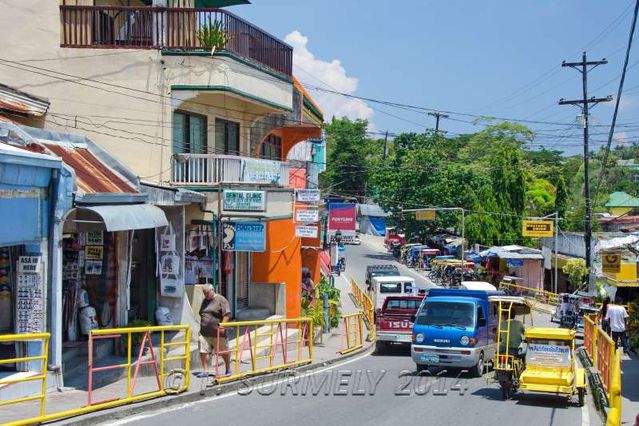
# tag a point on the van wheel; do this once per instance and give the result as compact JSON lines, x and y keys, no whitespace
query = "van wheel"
{"x":380,"y":346}
{"x":478,"y":369}
{"x":582,"y":396}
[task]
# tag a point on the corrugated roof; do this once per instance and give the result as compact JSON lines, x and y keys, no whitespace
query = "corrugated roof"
{"x":22,"y":103}
{"x":513,"y":252}
{"x":371,"y":210}
{"x":622,"y":199}
{"x":92,"y":175}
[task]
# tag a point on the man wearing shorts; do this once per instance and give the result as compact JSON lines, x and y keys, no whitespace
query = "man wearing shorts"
{"x":214,"y":310}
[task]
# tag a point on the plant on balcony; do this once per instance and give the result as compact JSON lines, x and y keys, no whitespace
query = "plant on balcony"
{"x":213,"y":35}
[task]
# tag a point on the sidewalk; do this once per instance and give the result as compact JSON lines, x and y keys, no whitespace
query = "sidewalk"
{"x":325,"y":352}
{"x":629,"y":389}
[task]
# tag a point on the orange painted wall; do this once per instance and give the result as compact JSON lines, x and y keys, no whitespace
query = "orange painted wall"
{"x":311,"y":260}
{"x":282,"y":263}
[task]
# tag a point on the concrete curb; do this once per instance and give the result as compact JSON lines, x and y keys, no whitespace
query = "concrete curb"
{"x":595,"y":386}
{"x":157,"y":404}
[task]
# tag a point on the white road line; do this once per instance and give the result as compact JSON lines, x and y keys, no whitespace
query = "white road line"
{"x":585,"y":415}
{"x":228,"y":395}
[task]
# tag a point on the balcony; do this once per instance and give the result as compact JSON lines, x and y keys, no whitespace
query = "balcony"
{"x":213,"y":169}
{"x":129,"y":27}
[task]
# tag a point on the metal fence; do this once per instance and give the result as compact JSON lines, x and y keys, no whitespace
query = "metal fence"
{"x":366,"y":304}
{"x":353,"y":332}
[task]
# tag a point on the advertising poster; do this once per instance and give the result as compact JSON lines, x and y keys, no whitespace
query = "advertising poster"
{"x":553,"y":356}
{"x":244,"y":236}
{"x":94,"y":252}
{"x":307,"y":216}
{"x":341,"y":217}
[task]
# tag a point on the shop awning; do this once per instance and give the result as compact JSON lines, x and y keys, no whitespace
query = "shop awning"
{"x":121,"y":217}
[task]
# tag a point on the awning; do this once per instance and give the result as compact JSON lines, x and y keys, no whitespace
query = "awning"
{"x":120,"y":218}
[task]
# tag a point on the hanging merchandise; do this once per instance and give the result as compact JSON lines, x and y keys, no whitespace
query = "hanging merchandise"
{"x":88,"y":320}
{"x":163,"y":316}
{"x":171,"y":283}
{"x":5,"y":291}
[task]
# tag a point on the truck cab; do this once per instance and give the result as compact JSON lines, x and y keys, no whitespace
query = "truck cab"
{"x":395,"y":321}
{"x":455,"y":328}
{"x":384,"y":270}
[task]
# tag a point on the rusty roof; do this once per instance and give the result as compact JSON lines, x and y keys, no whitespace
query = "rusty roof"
{"x":18,"y":102}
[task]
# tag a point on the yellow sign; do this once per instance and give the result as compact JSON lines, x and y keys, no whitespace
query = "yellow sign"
{"x":94,"y":252}
{"x":611,"y":262}
{"x":425,"y":215}
{"x":538,"y":228}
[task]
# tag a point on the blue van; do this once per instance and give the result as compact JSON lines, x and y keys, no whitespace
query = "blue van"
{"x":455,"y":328}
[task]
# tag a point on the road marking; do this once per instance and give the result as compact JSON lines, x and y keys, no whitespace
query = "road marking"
{"x":230,"y":394}
{"x":585,"y":415}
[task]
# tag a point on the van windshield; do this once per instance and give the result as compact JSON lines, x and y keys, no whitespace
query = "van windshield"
{"x":454,"y":314}
{"x":390,"y":287}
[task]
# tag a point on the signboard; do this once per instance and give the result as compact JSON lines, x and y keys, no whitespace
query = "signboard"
{"x":244,"y":201}
{"x":308,"y":195}
{"x":306,"y":231}
{"x":341,"y":217}
{"x":261,"y":171}
{"x":94,"y":252}
{"x":552,"y":356}
{"x":515,"y":263}
{"x":244,"y":236}
{"x":29,"y":296}
{"x":538,"y":228}
{"x":611,"y":262}
{"x":307,"y":216}
{"x":29,"y":264}
{"x":422,"y":215}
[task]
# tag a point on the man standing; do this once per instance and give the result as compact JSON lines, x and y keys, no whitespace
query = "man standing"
{"x":214,"y":310}
{"x":617,"y":317}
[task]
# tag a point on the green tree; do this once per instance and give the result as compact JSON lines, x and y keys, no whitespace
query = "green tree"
{"x":576,"y":271}
{"x":347,"y":167}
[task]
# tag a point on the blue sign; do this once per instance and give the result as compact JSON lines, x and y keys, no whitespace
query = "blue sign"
{"x":244,"y":236}
{"x":515,"y":263}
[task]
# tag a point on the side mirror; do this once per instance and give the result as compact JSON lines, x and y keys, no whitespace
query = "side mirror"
{"x":368,"y":282}
{"x":481,"y":322}
{"x":412,"y":318}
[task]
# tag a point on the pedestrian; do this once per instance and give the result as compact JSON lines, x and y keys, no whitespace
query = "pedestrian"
{"x":617,"y":317}
{"x":215,"y":309}
{"x":605,"y":323}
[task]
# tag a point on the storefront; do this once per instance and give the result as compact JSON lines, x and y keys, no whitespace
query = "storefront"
{"x":29,"y":195}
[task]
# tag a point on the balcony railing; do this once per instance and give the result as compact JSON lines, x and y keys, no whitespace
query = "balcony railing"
{"x":212,"y":169}
{"x":128,"y":27}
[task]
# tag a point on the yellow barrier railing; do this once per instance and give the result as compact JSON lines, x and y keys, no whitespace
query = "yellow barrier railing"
{"x":353,"y":332}
{"x":366,"y":304}
{"x":41,"y":375}
{"x":614,"y":398}
{"x":266,"y":345}
{"x":177,"y":378}
{"x":541,"y":296}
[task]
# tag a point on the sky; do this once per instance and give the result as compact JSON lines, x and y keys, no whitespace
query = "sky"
{"x":495,"y":58}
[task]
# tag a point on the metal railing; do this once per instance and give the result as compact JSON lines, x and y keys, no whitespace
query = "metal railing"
{"x":41,"y":375}
{"x":208,"y":169}
{"x":614,"y":397}
{"x":266,"y":345}
{"x":353,"y":332}
{"x":366,"y":304}
{"x":541,"y":296}
{"x":145,"y":27}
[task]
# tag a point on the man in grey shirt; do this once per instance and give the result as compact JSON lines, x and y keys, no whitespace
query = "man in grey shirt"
{"x":215,"y":309}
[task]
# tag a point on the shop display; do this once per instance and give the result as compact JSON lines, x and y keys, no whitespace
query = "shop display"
{"x":171,"y":284}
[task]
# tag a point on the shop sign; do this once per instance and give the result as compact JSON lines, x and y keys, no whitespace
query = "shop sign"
{"x":308,"y":195}
{"x":94,"y":252}
{"x":19,"y":193}
{"x":341,"y":217}
{"x":29,"y":264}
{"x":261,"y":171}
{"x":423,"y":215}
{"x":95,"y":238}
{"x":538,"y":228}
{"x":244,"y":236}
{"x":611,"y":262}
{"x":306,"y":231}
{"x":244,"y":201}
{"x":550,"y":356}
{"x":29,"y":296}
{"x":307,"y":216}
{"x":515,"y":263}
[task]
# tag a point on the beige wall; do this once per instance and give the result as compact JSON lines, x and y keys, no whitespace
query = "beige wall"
{"x":134,"y":125}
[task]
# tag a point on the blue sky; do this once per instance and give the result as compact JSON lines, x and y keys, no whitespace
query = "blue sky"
{"x":496,"y":57}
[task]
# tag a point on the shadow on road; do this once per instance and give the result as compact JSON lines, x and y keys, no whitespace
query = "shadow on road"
{"x":493,"y":393}
{"x":386,"y":257}
{"x":394,"y":350}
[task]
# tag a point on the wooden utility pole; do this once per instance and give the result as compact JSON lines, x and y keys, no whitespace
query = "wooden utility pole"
{"x":437,"y":116}
{"x":583,"y":67}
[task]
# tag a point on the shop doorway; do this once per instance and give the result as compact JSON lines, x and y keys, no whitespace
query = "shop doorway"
{"x":143,"y":277}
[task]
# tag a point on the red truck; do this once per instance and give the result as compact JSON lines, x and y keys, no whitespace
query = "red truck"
{"x":394,"y":323}
{"x":393,"y":237}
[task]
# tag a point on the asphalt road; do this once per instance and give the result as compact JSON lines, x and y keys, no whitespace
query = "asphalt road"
{"x":373,"y":389}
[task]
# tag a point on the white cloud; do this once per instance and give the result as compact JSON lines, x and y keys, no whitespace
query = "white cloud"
{"x":329,"y":75}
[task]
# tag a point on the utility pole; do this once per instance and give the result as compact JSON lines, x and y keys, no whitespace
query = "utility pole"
{"x":437,"y":116}
{"x":385,"y":145}
{"x":583,"y":67}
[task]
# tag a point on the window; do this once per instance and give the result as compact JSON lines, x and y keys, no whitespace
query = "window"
{"x":272,"y":148}
{"x":189,"y":133}
{"x":227,"y":137}
{"x":403,"y":304}
{"x":390,"y":288}
{"x":451,"y":314}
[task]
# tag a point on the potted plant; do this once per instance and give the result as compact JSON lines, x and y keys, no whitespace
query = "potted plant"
{"x":213,"y":35}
